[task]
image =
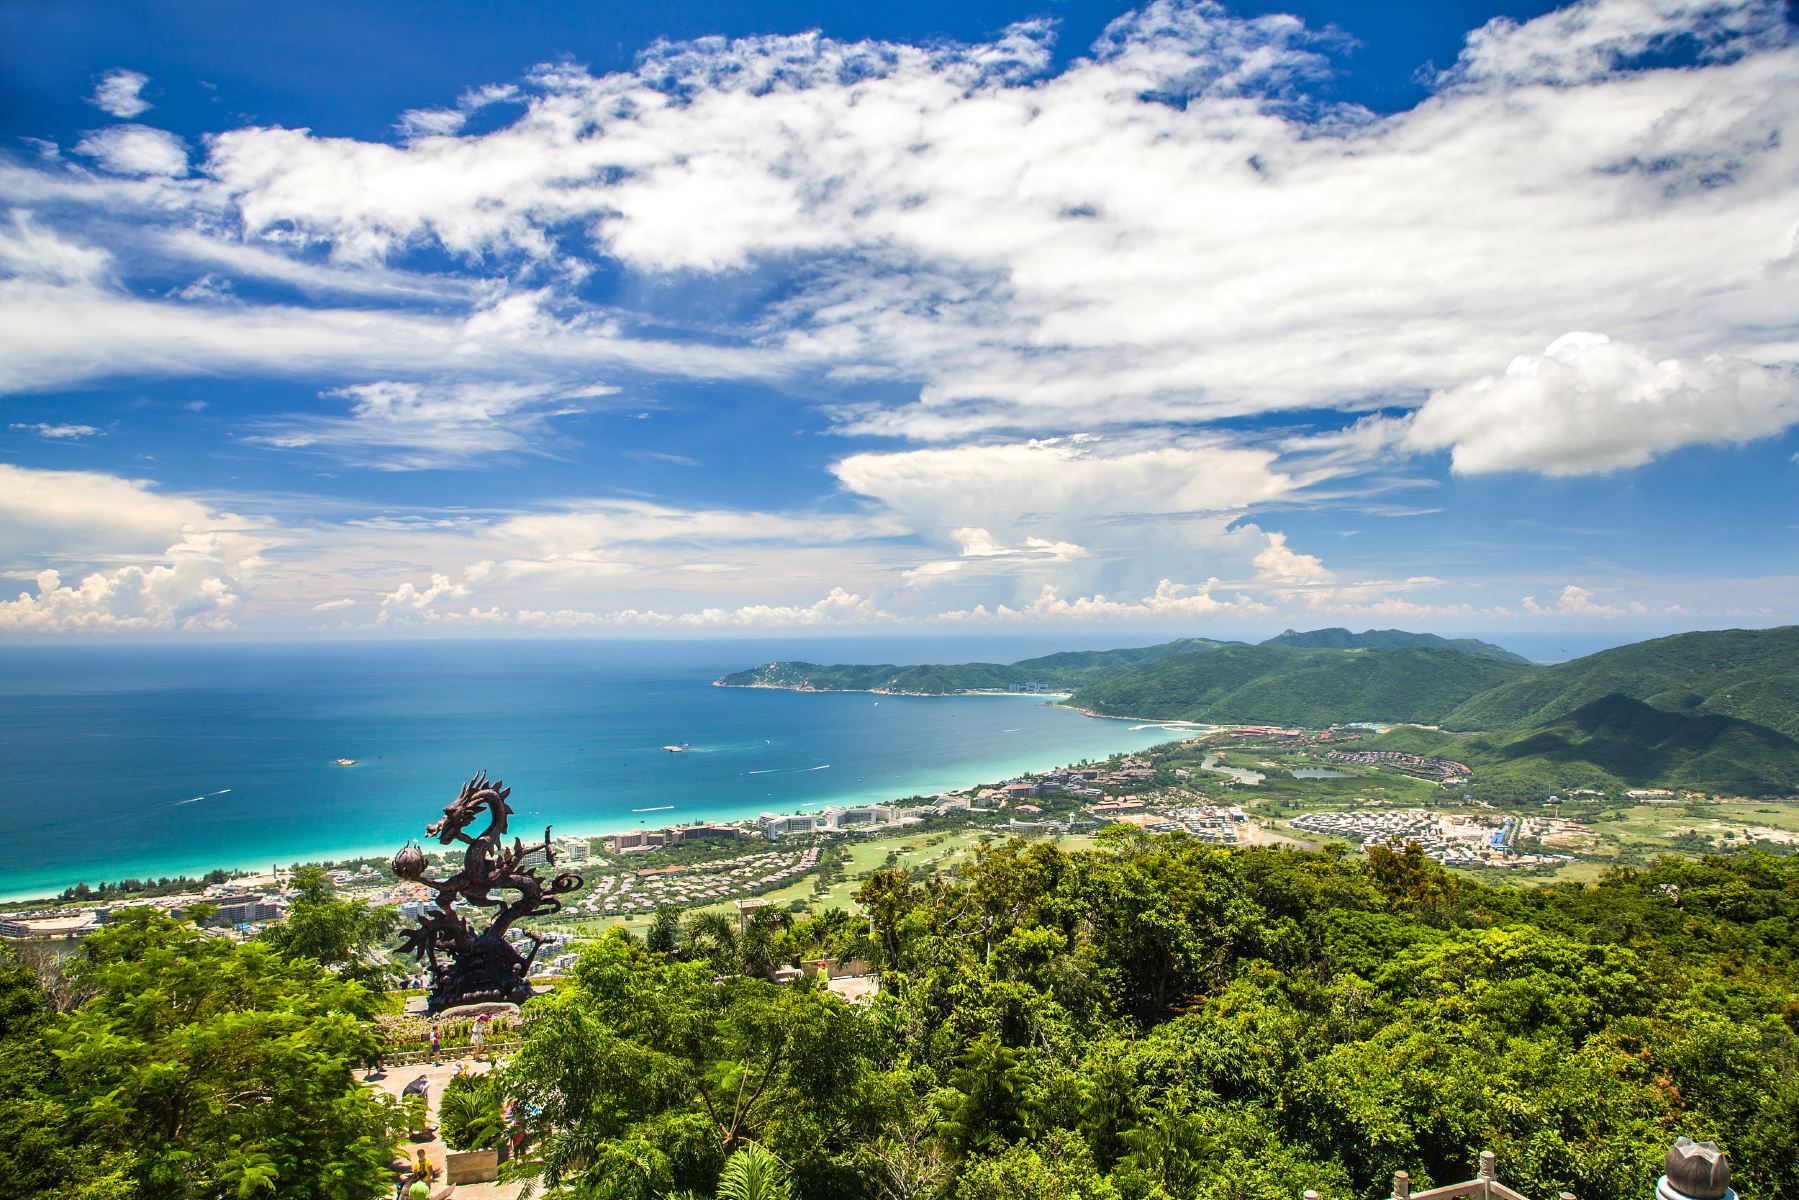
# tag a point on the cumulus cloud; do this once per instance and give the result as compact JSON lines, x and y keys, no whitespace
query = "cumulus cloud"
{"x":1578,"y":601}
{"x":1284,"y":567}
{"x":1588,"y":404}
{"x":120,"y":93}
{"x":136,"y":150}
{"x":184,"y":566}
{"x":1170,"y":601}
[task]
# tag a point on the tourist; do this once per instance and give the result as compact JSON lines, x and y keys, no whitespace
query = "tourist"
{"x":436,"y":1050}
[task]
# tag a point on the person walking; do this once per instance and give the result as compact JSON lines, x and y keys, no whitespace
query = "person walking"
{"x":436,"y":1050}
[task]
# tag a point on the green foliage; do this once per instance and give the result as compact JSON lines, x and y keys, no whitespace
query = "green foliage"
{"x":752,"y":1173}
{"x":1390,"y":639}
{"x":1751,"y":674}
{"x":1618,"y":742}
{"x":1062,"y":671}
{"x":345,"y":936}
{"x":1160,"y":1019}
{"x":471,"y":1113}
{"x":664,"y":931}
{"x":1280,"y":684}
{"x":38,"y":1157}
{"x":198,"y":1067}
{"x":1717,"y":711}
{"x":650,"y":1075}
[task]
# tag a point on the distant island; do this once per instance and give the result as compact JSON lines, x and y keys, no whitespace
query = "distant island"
{"x":1716,"y":709}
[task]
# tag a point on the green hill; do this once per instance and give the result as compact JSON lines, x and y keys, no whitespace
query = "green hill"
{"x":1752,"y":674}
{"x":1389,"y":639}
{"x":1622,"y":741}
{"x":1280,"y":684}
{"x":1056,"y":672}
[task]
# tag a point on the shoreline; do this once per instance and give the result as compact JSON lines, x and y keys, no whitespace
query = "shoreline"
{"x":818,"y":691}
{"x":611,"y":826}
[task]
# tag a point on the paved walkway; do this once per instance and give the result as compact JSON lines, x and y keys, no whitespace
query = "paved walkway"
{"x":395,"y":1081}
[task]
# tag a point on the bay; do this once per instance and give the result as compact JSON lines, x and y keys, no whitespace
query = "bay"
{"x":137,"y":760}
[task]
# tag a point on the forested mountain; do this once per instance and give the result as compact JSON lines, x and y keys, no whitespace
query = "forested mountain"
{"x":1279,"y":684}
{"x":1056,"y":672}
{"x":1571,"y":720}
{"x":1748,"y":673}
{"x":1389,"y":639}
{"x":1621,"y":741}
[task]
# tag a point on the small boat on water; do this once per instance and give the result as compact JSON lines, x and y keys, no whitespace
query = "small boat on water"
{"x":678,"y":749}
{"x":346,"y":762}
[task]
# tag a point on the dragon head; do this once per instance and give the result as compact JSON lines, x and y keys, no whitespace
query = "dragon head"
{"x":476,"y":794}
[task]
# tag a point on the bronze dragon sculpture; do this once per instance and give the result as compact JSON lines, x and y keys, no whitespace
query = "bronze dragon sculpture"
{"x":469,"y":967}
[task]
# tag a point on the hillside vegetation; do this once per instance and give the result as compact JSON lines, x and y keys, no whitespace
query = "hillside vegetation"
{"x":1717,"y":711}
{"x":1057,"y":672}
{"x":1618,"y":741}
{"x":1751,"y":674}
{"x":1389,"y":639}
{"x":1282,"y":685}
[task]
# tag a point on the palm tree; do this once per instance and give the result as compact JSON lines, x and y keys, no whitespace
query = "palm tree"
{"x":753,"y":1173}
{"x":712,"y":936}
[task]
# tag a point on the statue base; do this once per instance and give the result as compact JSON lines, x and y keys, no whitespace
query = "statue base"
{"x":487,"y":1008}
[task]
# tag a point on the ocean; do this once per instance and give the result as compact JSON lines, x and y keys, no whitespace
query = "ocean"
{"x":148,"y":760}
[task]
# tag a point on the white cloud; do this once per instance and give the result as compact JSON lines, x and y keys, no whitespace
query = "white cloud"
{"x":1588,"y":404}
{"x":1578,"y":601}
{"x":136,"y":150}
{"x":59,"y":517}
{"x":33,"y":253}
{"x":402,"y":426}
{"x":53,"y":335}
{"x":120,"y":94}
{"x":175,"y":564}
{"x":1279,"y":565}
{"x":1005,"y":236}
{"x":59,"y":433}
{"x":1170,"y":601}
{"x":959,"y":217}
{"x":431,"y":122}
{"x":409,"y":600}
{"x":337,"y":605}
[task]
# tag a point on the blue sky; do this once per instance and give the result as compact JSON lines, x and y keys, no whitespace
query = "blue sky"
{"x":346,"y":319}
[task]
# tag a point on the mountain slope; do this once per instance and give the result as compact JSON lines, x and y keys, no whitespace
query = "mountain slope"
{"x":1752,"y":674}
{"x":1389,"y":639}
{"x":1283,"y":685}
{"x":1619,"y":740}
{"x":1058,"y":672}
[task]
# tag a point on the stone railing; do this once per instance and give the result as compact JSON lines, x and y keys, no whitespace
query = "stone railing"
{"x":408,"y":1058}
{"x":1695,"y":1171}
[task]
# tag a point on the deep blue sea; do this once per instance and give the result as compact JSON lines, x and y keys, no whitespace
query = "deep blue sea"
{"x":132,"y":760}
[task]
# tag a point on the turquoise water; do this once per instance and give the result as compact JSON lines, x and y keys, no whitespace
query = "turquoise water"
{"x":160,"y":760}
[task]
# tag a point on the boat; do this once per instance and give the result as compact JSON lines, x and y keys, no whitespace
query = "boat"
{"x":346,"y":762}
{"x":678,"y":749}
